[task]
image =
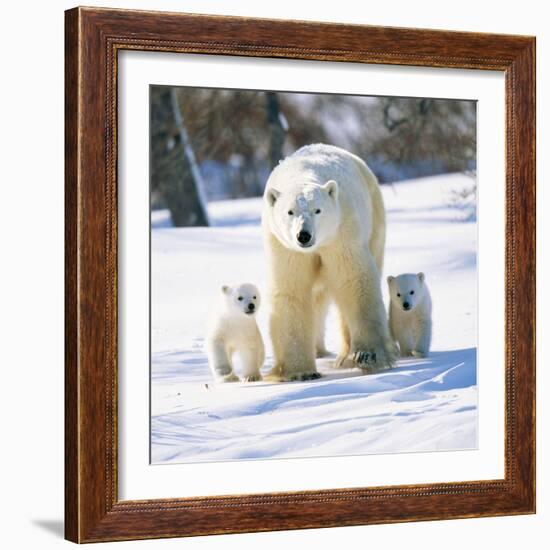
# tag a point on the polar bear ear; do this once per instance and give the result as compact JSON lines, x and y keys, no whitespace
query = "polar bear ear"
{"x":390,"y":278}
{"x":272,"y":195}
{"x":225,"y":289}
{"x":331,"y":187}
{"x":421,"y":277}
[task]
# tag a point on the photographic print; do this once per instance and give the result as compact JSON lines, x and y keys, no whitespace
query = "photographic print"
{"x":313,"y":274}
{"x":303,"y":250}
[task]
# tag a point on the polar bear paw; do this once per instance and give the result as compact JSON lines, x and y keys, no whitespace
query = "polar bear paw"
{"x":369,"y":361}
{"x":253,"y":378}
{"x":303,"y":376}
{"x":280,"y":374}
{"x":231,"y":377}
{"x":364,"y":358}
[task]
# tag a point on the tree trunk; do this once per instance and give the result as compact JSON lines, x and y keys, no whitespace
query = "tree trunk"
{"x":278,"y":128}
{"x":174,"y":170}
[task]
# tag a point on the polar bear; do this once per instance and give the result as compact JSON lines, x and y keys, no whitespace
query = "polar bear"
{"x":324,"y":229}
{"x":411,"y":314}
{"x":233,"y":330}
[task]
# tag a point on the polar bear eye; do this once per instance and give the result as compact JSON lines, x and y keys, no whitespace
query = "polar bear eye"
{"x":253,"y":297}
{"x":411,"y":292}
{"x":398,"y":295}
{"x":290,"y":213}
{"x":240,"y":298}
{"x":318,"y":211}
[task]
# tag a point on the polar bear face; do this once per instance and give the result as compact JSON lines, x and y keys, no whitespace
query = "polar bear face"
{"x":242,"y":299}
{"x":306,"y":217}
{"x":407,"y":290}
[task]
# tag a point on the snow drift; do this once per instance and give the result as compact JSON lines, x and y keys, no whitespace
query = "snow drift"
{"x":421,"y":405}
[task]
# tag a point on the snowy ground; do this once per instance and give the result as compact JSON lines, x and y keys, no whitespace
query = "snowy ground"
{"x":421,"y":405}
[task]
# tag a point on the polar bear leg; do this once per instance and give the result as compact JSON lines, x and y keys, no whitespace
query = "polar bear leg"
{"x":405,"y":347}
{"x":422,"y":347}
{"x":292,"y":335}
{"x":292,"y":327}
{"x":320,"y":309}
{"x":403,"y":336}
{"x":220,"y":362}
{"x":359,"y":298}
{"x":252,"y":360}
{"x":345,"y":342}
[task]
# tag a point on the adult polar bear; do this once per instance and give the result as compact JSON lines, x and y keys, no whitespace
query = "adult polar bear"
{"x":324,"y":227}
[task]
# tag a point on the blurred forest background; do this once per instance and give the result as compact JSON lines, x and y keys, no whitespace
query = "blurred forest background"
{"x":214,"y":144}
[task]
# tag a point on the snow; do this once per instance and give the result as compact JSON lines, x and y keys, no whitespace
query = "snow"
{"x":420,"y":405}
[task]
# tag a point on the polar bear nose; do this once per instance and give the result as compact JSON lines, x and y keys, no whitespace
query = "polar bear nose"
{"x":406,"y":305}
{"x":303,"y":237}
{"x":251,"y":307}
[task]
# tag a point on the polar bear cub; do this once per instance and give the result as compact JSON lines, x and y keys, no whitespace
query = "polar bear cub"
{"x":233,"y":331}
{"x":410,"y":314}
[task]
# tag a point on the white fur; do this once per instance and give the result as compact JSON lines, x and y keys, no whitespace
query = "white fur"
{"x":332,"y":195}
{"x":412,"y":327}
{"x":233,"y":330}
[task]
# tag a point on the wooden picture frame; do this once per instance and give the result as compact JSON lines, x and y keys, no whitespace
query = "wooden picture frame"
{"x":93,"y":511}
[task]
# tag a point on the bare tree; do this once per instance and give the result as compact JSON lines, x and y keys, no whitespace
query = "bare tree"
{"x":278,"y":128}
{"x":417,"y":130}
{"x":174,"y":170}
{"x":238,"y":136}
{"x":228,"y":128}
